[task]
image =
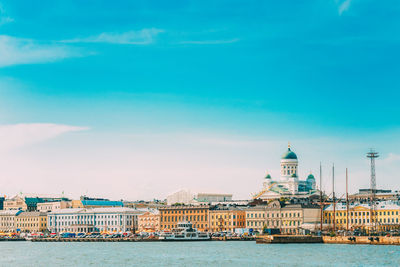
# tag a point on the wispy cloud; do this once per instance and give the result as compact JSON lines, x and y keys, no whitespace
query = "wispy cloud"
{"x":343,"y":6}
{"x":142,"y":37}
{"x":23,"y":134}
{"x":14,"y":51}
{"x":4,"y":19}
{"x":211,"y":42}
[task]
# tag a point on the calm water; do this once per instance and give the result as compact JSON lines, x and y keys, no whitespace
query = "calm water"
{"x":195,"y":254}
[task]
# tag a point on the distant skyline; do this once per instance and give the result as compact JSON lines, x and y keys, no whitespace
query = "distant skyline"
{"x":139,"y":99}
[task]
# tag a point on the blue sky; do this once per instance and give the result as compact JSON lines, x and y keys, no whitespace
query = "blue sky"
{"x":205,"y":94}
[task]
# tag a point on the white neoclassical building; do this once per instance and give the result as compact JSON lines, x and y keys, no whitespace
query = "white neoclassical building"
{"x":111,"y":219}
{"x":289,"y":183}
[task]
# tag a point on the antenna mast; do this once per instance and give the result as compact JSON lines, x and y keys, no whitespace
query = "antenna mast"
{"x":333,"y":195}
{"x":320,"y":194}
{"x":347,"y":201}
{"x":372,"y":155}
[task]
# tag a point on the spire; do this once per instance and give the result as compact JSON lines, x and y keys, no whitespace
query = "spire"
{"x":288,"y":145}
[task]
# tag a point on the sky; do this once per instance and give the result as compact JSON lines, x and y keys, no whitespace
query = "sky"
{"x":138,"y":99}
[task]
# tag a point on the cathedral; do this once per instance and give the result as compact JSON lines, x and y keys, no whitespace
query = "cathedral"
{"x":289,"y":184}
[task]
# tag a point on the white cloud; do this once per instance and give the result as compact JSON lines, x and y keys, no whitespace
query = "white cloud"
{"x":14,"y":51}
{"x":23,"y":134}
{"x":391,"y":158}
{"x":142,"y":37}
{"x":211,"y":42}
{"x":343,"y":6}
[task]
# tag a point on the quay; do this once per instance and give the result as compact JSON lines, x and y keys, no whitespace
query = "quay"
{"x":128,"y":239}
{"x":366,"y":240}
{"x":355,"y":240}
{"x":12,"y":239}
{"x":287,"y":239}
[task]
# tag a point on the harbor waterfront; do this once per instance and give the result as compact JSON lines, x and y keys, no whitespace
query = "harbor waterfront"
{"x":195,"y":254}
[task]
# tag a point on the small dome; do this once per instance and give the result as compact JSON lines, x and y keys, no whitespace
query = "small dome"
{"x":289,"y":154}
{"x":311,"y":177}
{"x":294,"y":175}
{"x":268,"y":176}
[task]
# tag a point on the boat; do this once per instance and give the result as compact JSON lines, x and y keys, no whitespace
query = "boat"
{"x":184,"y":232}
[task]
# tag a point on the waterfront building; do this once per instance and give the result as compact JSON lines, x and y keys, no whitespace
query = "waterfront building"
{"x":89,"y":202}
{"x":111,"y":219}
{"x":197,"y":215}
{"x":186,"y":197}
{"x":291,"y":218}
{"x":29,"y":202}
{"x":211,"y":197}
{"x":149,"y":221}
{"x":228,"y":219}
{"x":31,"y":222}
{"x":255,"y":218}
{"x":289,"y":184}
{"x":51,"y":206}
{"x":2,"y":203}
{"x":141,"y":204}
{"x":7,"y":220}
{"x":363,"y":195}
{"x":385,"y":218}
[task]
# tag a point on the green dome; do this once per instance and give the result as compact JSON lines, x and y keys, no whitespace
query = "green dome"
{"x":268,"y":176}
{"x":310,"y":177}
{"x":289,"y":154}
{"x":294,"y":175}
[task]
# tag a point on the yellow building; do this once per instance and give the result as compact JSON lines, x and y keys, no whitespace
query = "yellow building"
{"x":226,"y":219}
{"x":31,"y":222}
{"x":291,"y":218}
{"x":255,"y":218}
{"x":386,"y":216}
{"x":7,"y":220}
{"x":15,"y":203}
{"x":171,"y":215}
{"x":149,"y":221}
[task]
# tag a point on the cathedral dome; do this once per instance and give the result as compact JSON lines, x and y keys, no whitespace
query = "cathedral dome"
{"x":311,"y":177}
{"x":268,"y":176}
{"x":289,"y":154}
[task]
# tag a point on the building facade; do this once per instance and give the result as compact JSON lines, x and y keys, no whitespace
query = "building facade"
{"x":116,"y":219}
{"x":149,"y":221}
{"x":171,"y":215}
{"x":31,"y":222}
{"x":52,"y":206}
{"x":386,"y":216}
{"x":226,"y":219}
{"x":255,"y":218}
{"x":291,"y":218}
{"x":209,"y":198}
{"x":7,"y":220}
{"x":89,"y":202}
{"x":29,"y":202}
{"x":15,"y":203}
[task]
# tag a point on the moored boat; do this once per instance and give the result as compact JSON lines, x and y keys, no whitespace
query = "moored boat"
{"x":185,"y":232}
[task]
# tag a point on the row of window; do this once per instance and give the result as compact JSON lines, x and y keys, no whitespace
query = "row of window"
{"x":361,"y":221}
{"x":174,"y":226}
{"x":239,"y":223}
{"x":365,"y":213}
{"x":184,"y":211}
{"x":180,"y":218}
{"x":294,"y":214}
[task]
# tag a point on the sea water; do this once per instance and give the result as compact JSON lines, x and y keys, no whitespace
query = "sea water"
{"x":213,"y":253}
